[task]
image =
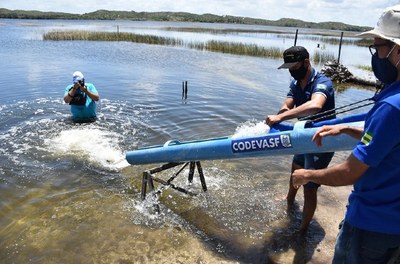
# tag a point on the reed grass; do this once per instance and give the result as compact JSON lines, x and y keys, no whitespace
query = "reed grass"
{"x":238,"y":49}
{"x":365,"y":67}
{"x":321,"y":57}
{"x":213,"y":45}
{"x":111,"y":36}
{"x":364,"y":42}
{"x":264,"y":31}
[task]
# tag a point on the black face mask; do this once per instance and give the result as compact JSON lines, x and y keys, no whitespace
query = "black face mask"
{"x":299,"y":73}
{"x":383,"y":69}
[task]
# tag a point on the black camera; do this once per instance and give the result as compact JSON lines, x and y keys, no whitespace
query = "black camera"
{"x":82,"y":82}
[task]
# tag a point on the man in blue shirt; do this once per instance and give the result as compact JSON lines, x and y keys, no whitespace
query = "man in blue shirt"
{"x":371,"y":229}
{"x":82,"y":97}
{"x":310,"y":93}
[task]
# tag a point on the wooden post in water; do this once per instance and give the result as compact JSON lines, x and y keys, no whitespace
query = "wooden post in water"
{"x":340,"y":47}
{"x":186,"y":89}
{"x":295,"y":37}
{"x":183,"y":90}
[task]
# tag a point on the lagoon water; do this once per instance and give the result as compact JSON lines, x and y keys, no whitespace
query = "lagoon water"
{"x":67,"y":195}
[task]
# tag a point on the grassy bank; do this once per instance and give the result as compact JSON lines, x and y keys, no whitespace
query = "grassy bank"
{"x":214,"y":46}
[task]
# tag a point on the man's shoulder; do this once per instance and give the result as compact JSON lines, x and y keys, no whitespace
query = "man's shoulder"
{"x":68,"y":87}
{"x":321,"y":80}
{"x":393,"y":100}
{"x":91,"y":87}
{"x":320,"y":77}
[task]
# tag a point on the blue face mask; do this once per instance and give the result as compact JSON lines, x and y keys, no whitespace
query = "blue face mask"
{"x":383,"y":69}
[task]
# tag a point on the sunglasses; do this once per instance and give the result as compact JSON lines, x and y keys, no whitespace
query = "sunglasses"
{"x":373,"y":48}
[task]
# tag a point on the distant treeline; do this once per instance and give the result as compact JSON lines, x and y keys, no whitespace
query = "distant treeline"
{"x":177,"y":16}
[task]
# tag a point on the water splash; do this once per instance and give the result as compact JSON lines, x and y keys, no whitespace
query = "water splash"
{"x":91,"y":143}
{"x":33,"y":131}
{"x":251,"y":128}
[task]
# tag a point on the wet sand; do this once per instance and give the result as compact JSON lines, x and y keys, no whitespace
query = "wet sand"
{"x":280,"y":242}
{"x":330,"y":212}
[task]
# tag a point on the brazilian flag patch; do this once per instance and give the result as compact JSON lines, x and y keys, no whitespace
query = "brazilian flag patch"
{"x":367,"y":138}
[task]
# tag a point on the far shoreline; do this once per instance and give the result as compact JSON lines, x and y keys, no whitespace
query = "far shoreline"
{"x":179,"y":17}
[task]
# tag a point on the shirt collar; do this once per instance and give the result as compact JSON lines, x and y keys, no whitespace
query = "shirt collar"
{"x":387,"y":91}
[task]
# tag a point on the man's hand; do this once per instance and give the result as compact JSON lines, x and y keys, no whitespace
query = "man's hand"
{"x":332,"y":130}
{"x":272,"y":119}
{"x":76,"y":86}
{"x":84,"y":89}
{"x":300,"y":177}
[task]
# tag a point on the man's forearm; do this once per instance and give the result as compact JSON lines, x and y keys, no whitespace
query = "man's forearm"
{"x":355,"y":132}
{"x":346,"y":173}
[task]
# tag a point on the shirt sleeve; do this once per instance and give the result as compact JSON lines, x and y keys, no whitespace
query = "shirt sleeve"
{"x":323,"y":86}
{"x":381,"y":135}
{"x":290,"y":94}
{"x":92,"y":88}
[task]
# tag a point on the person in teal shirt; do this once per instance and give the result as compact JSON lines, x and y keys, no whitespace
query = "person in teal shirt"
{"x":82,"y":98}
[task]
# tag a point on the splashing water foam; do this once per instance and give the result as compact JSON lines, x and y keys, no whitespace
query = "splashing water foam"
{"x":93,"y":144}
{"x":251,"y":129}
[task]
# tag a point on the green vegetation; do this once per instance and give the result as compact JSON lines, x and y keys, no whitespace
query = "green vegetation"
{"x":254,"y":31}
{"x":364,"y":42}
{"x":111,"y":36}
{"x":365,"y":67}
{"x":238,"y":49}
{"x":177,"y":16}
{"x":214,"y":46}
{"x":320,"y":57}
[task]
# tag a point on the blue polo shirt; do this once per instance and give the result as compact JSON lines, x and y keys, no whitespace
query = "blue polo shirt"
{"x":87,"y":111}
{"x":374,"y":204}
{"x":317,"y":83}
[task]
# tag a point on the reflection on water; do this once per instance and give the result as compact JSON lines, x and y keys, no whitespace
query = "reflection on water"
{"x":67,"y":194}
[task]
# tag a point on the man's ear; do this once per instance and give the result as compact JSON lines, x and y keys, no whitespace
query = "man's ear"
{"x":307,"y":62}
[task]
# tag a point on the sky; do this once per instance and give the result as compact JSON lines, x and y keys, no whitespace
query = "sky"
{"x":354,"y":12}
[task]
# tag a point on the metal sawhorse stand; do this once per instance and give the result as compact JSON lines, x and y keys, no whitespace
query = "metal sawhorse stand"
{"x":149,"y":178}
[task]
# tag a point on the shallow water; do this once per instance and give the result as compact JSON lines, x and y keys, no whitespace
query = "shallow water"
{"x":67,"y":194}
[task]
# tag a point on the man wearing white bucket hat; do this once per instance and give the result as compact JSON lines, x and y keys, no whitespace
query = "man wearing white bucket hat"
{"x":82,"y":97}
{"x":371,"y":229}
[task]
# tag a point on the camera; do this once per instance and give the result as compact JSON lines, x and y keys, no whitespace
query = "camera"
{"x":82,"y":82}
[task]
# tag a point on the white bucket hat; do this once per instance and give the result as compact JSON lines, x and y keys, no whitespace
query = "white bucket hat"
{"x":388,"y":26}
{"x":77,"y":76}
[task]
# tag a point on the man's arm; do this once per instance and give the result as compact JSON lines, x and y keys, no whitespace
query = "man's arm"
{"x":334,"y":130}
{"x":70,"y":94}
{"x":94,"y":96}
{"x":311,"y":107}
{"x":286,"y":106}
{"x":346,"y":173}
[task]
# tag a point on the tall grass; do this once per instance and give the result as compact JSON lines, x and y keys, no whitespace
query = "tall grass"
{"x":238,"y":48}
{"x":321,"y":57}
{"x":213,"y":45}
{"x":364,"y":67}
{"x":111,"y":36}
